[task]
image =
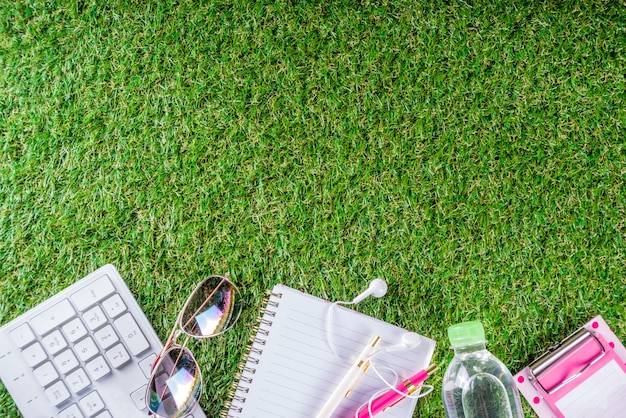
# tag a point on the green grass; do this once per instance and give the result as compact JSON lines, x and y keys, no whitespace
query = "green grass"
{"x":471,"y":153}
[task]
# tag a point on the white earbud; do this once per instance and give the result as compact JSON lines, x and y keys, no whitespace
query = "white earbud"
{"x":411,"y":339}
{"x":377,"y":288}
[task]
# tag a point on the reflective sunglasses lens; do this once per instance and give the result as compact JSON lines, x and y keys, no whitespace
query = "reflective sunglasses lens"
{"x":176,"y":384}
{"x":211,"y":309}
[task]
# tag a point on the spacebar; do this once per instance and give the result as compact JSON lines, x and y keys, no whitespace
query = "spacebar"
{"x":131,"y":334}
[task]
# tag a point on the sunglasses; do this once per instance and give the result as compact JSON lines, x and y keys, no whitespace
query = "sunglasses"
{"x":175,"y":385}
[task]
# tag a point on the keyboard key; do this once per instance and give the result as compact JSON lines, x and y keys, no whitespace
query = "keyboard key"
{"x":97,"y":368}
{"x":94,"y":318}
{"x":78,"y":381}
{"x":94,"y":293}
{"x":106,"y":337}
{"x":72,"y":412}
{"x":131,"y":334}
{"x":91,"y":404}
{"x":45,"y":374}
{"x":146,"y":365}
{"x":22,"y":336}
{"x":57,"y":393}
{"x":139,"y":397}
{"x":54,"y":342}
{"x":74,"y":330}
{"x":114,"y":306}
{"x":53,"y":317}
{"x":118,"y":356}
{"x":66,"y":362}
{"x":86,"y":349}
{"x":105,"y":414}
{"x":34,"y":354}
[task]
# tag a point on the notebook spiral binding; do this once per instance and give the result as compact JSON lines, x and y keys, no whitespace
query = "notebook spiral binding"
{"x":247,"y":369}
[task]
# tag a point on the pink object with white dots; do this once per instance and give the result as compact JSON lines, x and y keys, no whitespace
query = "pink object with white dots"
{"x":583,"y":376}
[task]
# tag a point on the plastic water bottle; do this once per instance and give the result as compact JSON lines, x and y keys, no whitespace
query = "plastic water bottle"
{"x":476,"y":384}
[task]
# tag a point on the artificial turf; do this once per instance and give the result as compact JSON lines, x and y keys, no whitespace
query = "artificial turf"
{"x":471,"y":153}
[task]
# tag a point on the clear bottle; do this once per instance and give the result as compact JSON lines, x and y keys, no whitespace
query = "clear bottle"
{"x":476,"y":384}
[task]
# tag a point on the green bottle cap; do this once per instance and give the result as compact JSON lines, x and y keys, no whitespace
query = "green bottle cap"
{"x":466,"y":333}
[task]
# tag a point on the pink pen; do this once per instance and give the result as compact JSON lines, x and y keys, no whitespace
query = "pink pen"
{"x":391,"y":397}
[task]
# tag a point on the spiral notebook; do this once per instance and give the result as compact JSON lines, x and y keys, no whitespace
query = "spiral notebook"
{"x":290,"y":370}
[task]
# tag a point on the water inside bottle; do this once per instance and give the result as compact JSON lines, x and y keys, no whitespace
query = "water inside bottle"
{"x":485,"y":396}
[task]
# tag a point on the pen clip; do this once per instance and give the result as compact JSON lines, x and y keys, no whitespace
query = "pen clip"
{"x":363,"y":363}
{"x":411,"y":388}
{"x":363,"y":366}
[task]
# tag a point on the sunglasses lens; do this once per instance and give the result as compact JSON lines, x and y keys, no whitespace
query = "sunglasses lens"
{"x":211,"y":309}
{"x":175,"y":386}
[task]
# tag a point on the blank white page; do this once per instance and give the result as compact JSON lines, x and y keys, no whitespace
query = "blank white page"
{"x":296,"y":371}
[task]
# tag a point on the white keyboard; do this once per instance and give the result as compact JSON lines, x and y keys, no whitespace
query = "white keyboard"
{"x":85,"y":352}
